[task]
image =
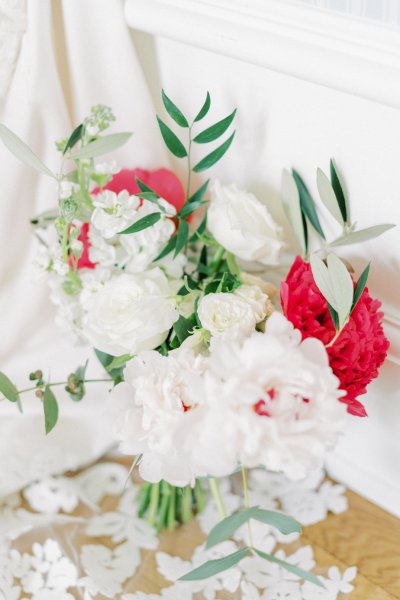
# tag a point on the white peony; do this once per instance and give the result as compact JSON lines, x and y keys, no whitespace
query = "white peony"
{"x":114,"y":212}
{"x":243,"y":225}
{"x":154,"y":415}
{"x":273,"y":399}
{"x":235,"y":314}
{"x":130,"y":313}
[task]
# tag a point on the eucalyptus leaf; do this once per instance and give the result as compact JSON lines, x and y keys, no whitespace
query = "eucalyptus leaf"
{"x":172,"y":142}
{"x":307,"y":204}
{"x":50,"y":407}
{"x":215,"y":131}
{"x":360,"y":286}
{"x":174,"y":111}
{"x":144,"y":188}
{"x":342,"y":285}
{"x":355,"y":237}
{"x":284,"y":523}
{"x":199,"y":231}
{"x":199,"y":194}
{"x":151,"y":196}
{"x":306,"y":575}
{"x":339,"y":191}
{"x":22,"y":151}
{"x":204,"y":109}
{"x":328,"y":196}
{"x":213,"y":567}
{"x":190,"y":207}
{"x":291,"y":205}
{"x":118,"y":362}
{"x":225,"y":528}
{"x":143,"y":223}
{"x":214,"y":156}
{"x":321,"y":277}
{"x":74,"y":138}
{"x":103,"y":145}
{"x":8,"y":389}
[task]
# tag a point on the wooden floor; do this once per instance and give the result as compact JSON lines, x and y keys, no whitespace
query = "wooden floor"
{"x":364,"y":536}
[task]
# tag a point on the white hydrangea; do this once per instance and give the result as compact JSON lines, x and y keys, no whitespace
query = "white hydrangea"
{"x":114,"y":212}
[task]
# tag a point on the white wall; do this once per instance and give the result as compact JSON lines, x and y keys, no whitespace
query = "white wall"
{"x":285,"y":121}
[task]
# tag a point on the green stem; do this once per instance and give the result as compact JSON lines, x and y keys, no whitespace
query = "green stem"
{"x":187,"y":504}
{"x":30,"y":389}
{"x":214,"y":487}
{"x":189,"y":164}
{"x":171,"y":509}
{"x":154,"y":500}
{"x":165,"y":501}
{"x":246,"y":502}
{"x":144,"y":498}
{"x":219,"y":255}
{"x":200,"y":496}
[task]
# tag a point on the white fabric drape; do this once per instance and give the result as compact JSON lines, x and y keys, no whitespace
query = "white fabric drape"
{"x":58,"y":58}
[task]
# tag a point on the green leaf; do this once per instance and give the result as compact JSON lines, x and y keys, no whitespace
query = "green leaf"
{"x":168,"y":248}
{"x":215,"y":131}
{"x":306,"y":575}
{"x":339,"y":191}
{"x":181,"y":237}
{"x":104,"y":145}
{"x":172,"y":142}
{"x":143,"y":223}
{"x":212,"y":567}
{"x":74,"y":138}
{"x":321,"y":277}
{"x":307,"y":204}
{"x":152,"y":196}
{"x":225,"y":528}
{"x":190,"y":207}
{"x":199,"y":231}
{"x":204,"y":109}
{"x":50,"y":407}
{"x":144,"y":188}
{"x":232,"y":264}
{"x":342,"y":285}
{"x":8,"y":389}
{"x":199,"y":194}
{"x":355,"y":237}
{"x":183,"y":327}
{"x":118,"y":362}
{"x":174,"y":111}
{"x":291,"y":205}
{"x":361,"y":283}
{"x":106,"y":359}
{"x":334,"y":317}
{"x":209,"y":160}
{"x":284,"y":523}
{"x":22,"y":151}
{"x":328,"y":196}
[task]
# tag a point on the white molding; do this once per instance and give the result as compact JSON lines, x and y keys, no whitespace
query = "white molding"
{"x":330,"y":49}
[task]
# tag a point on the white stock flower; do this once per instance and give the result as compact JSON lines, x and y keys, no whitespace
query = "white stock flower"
{"x":130,"y":313}
{"x":105,"y":168}
{"x":114,"y":212}
{"x":144,"y":246}
{"x":235,"y":314}
{"x":243,"y":225}
{"x":100,"y":251}
{"x":154,"y":415}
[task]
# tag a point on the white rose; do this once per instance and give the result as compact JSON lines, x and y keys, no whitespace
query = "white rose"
{"x":130,"y":313}
{"x":243,"y":225}
{"x":260,"y":303}
{"x":114,"y":212}
{"x":227,"y":313}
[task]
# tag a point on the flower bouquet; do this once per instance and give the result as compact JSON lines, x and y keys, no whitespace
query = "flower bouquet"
{"x":209,"y":373}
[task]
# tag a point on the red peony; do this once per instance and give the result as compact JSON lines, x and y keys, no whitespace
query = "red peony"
{"x":162,"y":181}
{"x":361,"y":347}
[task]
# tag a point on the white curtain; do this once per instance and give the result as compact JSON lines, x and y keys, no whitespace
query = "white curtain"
{"x":57,"y":59}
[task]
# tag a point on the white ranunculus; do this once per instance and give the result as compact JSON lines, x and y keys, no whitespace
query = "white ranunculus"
{"x":154,"y":415}
{"x":226,"y":313}
{"x":114,"y":212}
{"x":144,"y":246}
{"x":130,"y":313}
{"x":243,"y":225}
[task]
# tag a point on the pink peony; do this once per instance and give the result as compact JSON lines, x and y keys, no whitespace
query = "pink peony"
{"x":361,"y":348}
